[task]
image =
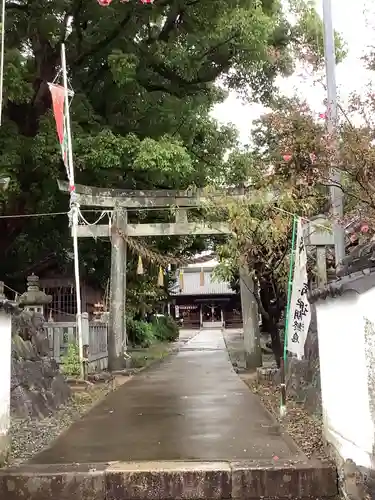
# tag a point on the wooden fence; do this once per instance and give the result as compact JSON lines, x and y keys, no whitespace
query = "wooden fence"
{"x":94,"y":334}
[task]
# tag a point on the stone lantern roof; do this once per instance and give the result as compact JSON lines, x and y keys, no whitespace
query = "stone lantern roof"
{"x":34,"y":296}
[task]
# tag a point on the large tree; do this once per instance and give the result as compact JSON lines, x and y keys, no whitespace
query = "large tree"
{"x":289,"y":162}
{"x":145,"y":81}
{"x":291,"y":159}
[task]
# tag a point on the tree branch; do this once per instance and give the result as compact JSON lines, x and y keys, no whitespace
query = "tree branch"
{"x":176,"y":12}
{"x":105,"y":42}
{"x":17,"y":6}
{"x":213,"y":67}
{"x":258,"y":300}
{"x":170,"y":23}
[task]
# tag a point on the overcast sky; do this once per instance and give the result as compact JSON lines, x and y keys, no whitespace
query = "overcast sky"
{"x":353,"y":19}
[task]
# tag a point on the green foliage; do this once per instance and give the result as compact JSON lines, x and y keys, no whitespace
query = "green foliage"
{"x":262,"y":225}
{"x":123,"y":67}
{"x":70,"y":361}
{"x":145,"y":81}
{"x":165,"y":328}
{"x":261,"y":222}
{"x":140,"y":333}
{"x":293,"y":128}
{"x":308,"y":30}
{"x":144,"y":294}
{"x":144,"y":334}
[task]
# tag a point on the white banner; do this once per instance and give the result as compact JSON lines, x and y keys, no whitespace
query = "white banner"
{"x":299,"y":312}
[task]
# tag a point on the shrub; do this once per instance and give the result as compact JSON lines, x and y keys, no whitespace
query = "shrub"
{"x":142,"y":333}
{"x":139,"y":332}
{"x":165,"y":328}
{"x":70,"y":361}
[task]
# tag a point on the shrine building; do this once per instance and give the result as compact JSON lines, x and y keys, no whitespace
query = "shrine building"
{"x":202,"y":301}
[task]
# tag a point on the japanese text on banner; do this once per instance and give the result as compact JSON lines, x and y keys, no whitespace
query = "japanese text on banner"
{"x":299,"y":312}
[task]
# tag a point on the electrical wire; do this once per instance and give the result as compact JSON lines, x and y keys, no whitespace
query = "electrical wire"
{"x":45,"y":214}
{"x":12,"y":290}
{"x":24,"y":216}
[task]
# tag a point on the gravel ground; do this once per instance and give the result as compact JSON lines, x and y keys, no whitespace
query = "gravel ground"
{"x":306,"y":430}
{"x":30,"y":436}
{"x":303,"y":428}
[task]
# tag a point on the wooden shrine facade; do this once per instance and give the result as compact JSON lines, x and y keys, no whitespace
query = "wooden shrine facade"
{"x":202,"y":302}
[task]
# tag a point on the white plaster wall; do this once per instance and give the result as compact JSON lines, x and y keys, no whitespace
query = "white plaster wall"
{"x":5,"y":372}
{"x":348,"y":423}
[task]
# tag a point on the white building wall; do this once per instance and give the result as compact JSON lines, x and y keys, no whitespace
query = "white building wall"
{"x":5,"y":380}
{"x":347,"y":365}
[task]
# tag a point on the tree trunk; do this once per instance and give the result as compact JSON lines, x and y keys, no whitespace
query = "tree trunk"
{"x":276,"y":342}
{"x":271,"y":305}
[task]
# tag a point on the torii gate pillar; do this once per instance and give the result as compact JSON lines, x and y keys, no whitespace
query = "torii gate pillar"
{"x":250,"y":319}
{"x":117,"y":321}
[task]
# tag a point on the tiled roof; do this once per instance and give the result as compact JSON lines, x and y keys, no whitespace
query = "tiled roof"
{"x":210,"y":263}
{"x":192,"y":285}
{"x":358,"y":282}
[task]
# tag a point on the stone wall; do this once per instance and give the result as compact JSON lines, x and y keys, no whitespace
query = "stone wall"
{"x":37,"y":386}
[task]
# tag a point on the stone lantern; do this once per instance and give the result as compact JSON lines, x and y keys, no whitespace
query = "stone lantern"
{"x":34,"y":299}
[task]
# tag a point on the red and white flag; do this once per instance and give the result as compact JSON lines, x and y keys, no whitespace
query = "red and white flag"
{"x":58,"y":105}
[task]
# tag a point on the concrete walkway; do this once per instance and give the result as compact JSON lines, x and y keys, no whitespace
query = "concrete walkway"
{"x":187,"y":429}
{"x":192,"y":406}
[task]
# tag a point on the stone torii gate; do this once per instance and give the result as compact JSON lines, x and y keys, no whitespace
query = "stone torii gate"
{"x":119,"y":201}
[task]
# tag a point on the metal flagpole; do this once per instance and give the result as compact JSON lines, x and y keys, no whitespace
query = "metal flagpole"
{"x":287,"y":312}
{"x":335,"y":190}
{"x":73,"y":209}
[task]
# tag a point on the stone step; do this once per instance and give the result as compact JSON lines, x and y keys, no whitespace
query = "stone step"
{"x":172,"y":480}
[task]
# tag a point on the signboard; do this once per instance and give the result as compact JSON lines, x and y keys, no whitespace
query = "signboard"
{"x":299,"y":311}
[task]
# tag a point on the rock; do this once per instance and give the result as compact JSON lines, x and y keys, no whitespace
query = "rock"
{"x":31,"y":352}
{"x":32,"y":375}
{"x":353,"y":481}
{"x":60,"y":389}
{"x":100,"y":377}
{"x":312,"y":345}
{"x":297,"y":377}
{"x":19,"y":350}
{"x":37,"y":386}
{"x":303,"y":376}
{"x":49,"y":367}
{"x":39,"y":404}
{"x":23,"y":348}
{"x":21,"y":403}
{"x":41,"y":343}
{"x":266,"y":374}
{"x":16,"y":373}
{"x":276,"y":379}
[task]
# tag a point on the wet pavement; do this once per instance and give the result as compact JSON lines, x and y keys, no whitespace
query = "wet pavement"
{"x":192,"y":406}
